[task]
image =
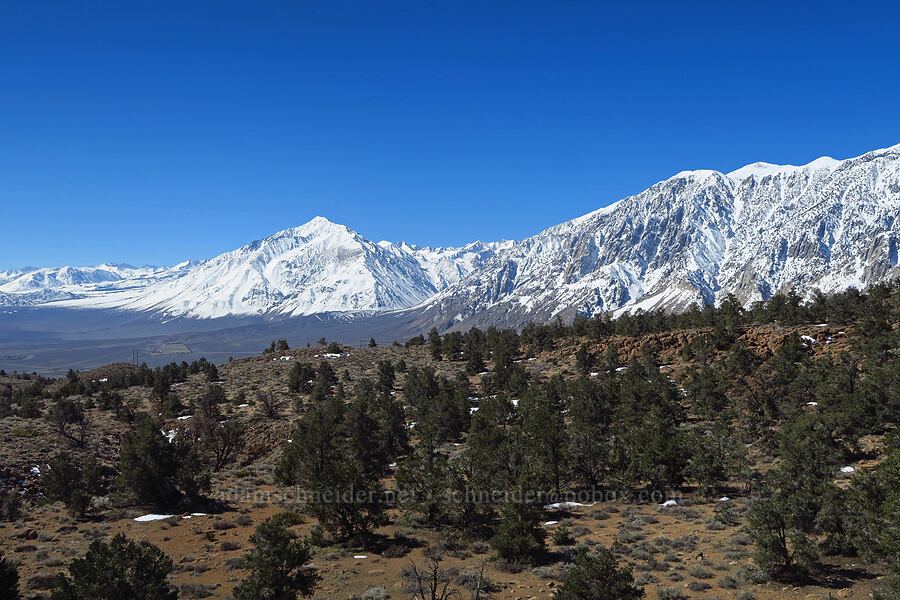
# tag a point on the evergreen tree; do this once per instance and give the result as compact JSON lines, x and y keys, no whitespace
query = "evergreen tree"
{"x":805,"y":502}
{"x":423,"y":482}
{"x":518,"y":536}
{"x":494,"y":446}
{"x":277,"y":563}
{"x":120,"y":569}
{"x":452,"y":345}
{"x":72,"y":482}
{"x":347,"y":499}
{"x":648,"y":446}
{"x":364,"y":433}
{"x":70,"y":420}
{"x":705,"y":391}
{"x":873,"y":504}
{"x":9,"y":580}
{"x":544,"y":429}
{"x":584,"y":359}
{"x":598,"y":576}
{"x":157,"y":471}
{"x":386,"y":377}
{"x":301,"y":377}
{"x":434,"y":344}
{"x":590,"y":414}
{"x":474,"y":358}
{"x":715,"y":457}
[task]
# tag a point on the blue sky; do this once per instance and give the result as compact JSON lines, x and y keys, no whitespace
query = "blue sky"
{"x":152,"y":132}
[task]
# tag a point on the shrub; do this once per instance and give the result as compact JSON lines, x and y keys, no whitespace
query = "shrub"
{"x":698,"y":586}
{"x":544,"y":572}
{"x":43,"y":581}
{"x":375,"y":593}
{"x":119,"y":570}
{"x":509,"y":566}
{"x":889,"y":591}
{"x":10,"y":505}
{"x":395,"y":551}
{"x":195,"y":590}
{"x":728,"y":582}
{"x":562,"y":536}
{"x":700,"y":572}
{"x":671,"y":593}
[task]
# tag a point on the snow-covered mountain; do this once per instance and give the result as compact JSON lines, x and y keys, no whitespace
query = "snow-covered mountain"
{"x":692,"y":238}
{"x":695,"y":238}
{"x":319,"y":267}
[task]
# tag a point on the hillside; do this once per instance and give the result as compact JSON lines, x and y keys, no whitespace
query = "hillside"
{"x":668,"y":435}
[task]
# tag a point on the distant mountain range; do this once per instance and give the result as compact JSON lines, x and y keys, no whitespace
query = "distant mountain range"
{"x":692,"y":238}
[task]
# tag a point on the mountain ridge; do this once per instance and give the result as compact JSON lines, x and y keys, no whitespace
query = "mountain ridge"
{"x":691,"y":238}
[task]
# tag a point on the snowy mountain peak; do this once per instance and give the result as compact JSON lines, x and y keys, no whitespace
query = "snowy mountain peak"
{"x":319,"y":226}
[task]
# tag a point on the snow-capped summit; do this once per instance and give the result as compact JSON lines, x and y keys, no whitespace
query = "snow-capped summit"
{"x":317,"y":267}
{"x":693,"y":237}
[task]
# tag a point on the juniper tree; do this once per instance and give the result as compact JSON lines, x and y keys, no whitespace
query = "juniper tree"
{"x":70,"y":420}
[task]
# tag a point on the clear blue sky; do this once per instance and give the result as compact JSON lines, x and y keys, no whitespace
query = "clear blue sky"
{"x":152,"y":132}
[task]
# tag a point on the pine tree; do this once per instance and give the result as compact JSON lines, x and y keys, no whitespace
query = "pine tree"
{"x":9,"y":580}
{"x":545,"y":433}
{"x":597,"y":576}
{"x":518,"y":536}
{"x":584,"y":359}
{"x":277,"y":563}
{"x":72,"y":482}
{"x":348,"y":498}
{"x":120,"y":569}
{"x":434,"y":344}
{"x":157,"y":471}
{"x":590,"y":414}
